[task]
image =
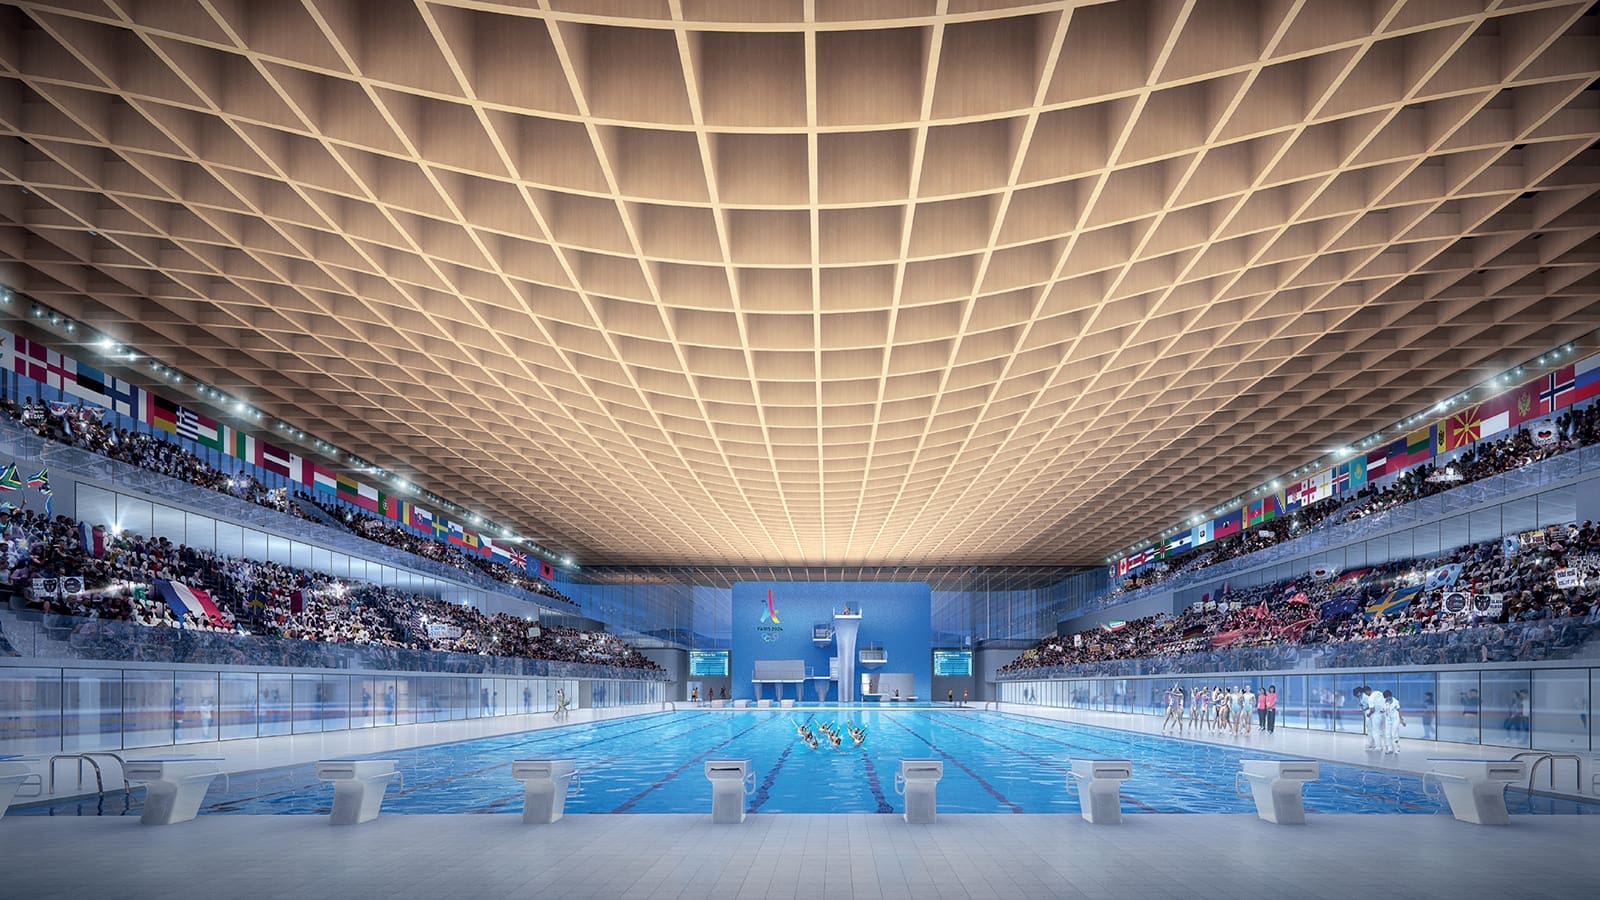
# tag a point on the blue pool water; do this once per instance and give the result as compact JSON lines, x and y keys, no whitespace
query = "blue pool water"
{"x":993,"y":763}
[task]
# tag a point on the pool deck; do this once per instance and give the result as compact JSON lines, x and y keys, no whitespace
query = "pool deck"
{"x":857,"y":856}
{"x":797,"y":855}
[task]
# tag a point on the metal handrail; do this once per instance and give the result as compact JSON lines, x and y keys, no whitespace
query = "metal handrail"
{"x":99,"y":783}
{"x":1544,"y":756}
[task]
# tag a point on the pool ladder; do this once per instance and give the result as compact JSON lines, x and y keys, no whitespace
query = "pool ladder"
{"x":99,"y":781}
{"x":1540,"y":757}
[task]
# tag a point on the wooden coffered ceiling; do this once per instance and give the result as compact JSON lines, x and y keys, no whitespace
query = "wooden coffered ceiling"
{"x":814,"y":282}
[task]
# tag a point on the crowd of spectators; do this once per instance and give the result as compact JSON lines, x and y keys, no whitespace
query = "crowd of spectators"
{"x":119,"y":571}
{"x":383,"y":531}
{"x":1324,"y":609}
{"x":82,"y":426}
{"x":1484,"y":459}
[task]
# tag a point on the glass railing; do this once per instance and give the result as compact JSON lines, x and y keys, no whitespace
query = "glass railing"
{"x":1512,"y":643}
{"x":70,"y":638}
{"x":1584,"y":461}
{"x":17,"y":441}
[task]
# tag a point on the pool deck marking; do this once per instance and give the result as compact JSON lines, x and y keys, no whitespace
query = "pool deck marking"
{"x":982,"y":782}
{"x":629,"y":803}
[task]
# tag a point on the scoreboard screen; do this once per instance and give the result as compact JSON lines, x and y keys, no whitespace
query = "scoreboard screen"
{"x":952,"y":663}
{"x":708,"y":663}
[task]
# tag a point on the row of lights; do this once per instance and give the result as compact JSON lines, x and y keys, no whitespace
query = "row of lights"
{"x":1489,"y":387}
{"x":112,"y":349}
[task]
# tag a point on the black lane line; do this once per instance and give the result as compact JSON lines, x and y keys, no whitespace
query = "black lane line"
{"x":982,"y":782}
{"x":231,"y":805}
{"x":764,"y":790}
{"x":1041,"y":761}
{"x":1185,"y":776}
{"x":631,"y":801}
{"x":875,"y":785}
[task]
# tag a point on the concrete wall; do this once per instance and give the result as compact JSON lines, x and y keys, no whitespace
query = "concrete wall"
{"x":984,"y":664}
{"x":676,"y":662}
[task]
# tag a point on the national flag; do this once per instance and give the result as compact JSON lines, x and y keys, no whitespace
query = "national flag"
{"x":126,"y":399}
{"x":40,"y":480}
{"x":1377,"y":463}
{"x":32,"y":359}
{"x":391,"y":507}
{"x":456,"y":534}
{"x":421,"y":519}
{"x":1444,"y":577}
{"x":1179,"y":543}
{"x":441,"y":528}
{"x":519,"y":560}
{"x":1358,"y":473}
{"x":92,"y":540}
{"x":348,"y":488}
{"x":546,"y":571}
{"x":1341,"y":479}
{"x":1585,"y":380}
{"x":89,"y":384}
{"x":1420,"y":446}
{"x":1342,"y":606}
{"x":498,"y":551}
{"x":1393,"y":602}
{"x":10,"y":480}
{"x":1520,"y":405}
{"x":1229,"y":524}
{"x":161,"y":413}
{"x":297,"y":602}
{"x":201,"y":429}
{"x":1558,"y":388}
{"x":1459,"y":430}
{"x":368,"y":497}
{"x":185,"y":600}
{"x":1202,"y":533}
{"x":1255,"y":513}
{"x":1110,"y":627}
{"x":322,"y":479}
{"x":273,"y":459}
{"x":240,"y":446}
{"x":298,"y":469}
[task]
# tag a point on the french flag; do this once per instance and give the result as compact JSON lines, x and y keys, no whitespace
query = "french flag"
{"x":93,"y":540}
{"x":184,"y":599}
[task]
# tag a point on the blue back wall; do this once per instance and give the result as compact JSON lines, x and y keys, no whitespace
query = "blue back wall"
{"x":897,"y":614}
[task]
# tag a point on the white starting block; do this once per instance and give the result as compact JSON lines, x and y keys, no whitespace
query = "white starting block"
{"x":918,"y":781}
{"x":763,"y":704}
{"x":1476,"y":788}
{"x":14,"y":770}
{"x":740,"y":704}
{"x":786,"y":704}
{"x":174,"y":788}
{"x":1098,"y":786}
{"x":545,"y":784}
{"x":358,"y":787}
{"x":731,"y":780}
{"x":1275,"y":784}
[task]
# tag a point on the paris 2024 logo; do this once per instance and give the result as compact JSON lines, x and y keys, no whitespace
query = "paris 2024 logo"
{"x":769,"y":628}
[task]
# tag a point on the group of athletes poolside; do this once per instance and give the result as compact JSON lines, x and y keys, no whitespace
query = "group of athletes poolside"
{"x":1223,"y":710}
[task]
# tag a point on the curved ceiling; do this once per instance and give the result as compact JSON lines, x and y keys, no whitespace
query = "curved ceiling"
{"x":814,"y":283}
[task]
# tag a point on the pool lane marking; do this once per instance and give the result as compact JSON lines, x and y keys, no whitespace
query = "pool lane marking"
{"x":1041,"y":761}
{"x":1396,"y":801}
{"x":231,"y":804}
{"x":763,"y":792}
{"x":982,"y":782}
{"x":631,"y":801}
{"x":875,"y":785}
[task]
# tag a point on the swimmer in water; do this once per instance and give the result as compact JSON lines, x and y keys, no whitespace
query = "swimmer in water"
{"x":857,"y":735}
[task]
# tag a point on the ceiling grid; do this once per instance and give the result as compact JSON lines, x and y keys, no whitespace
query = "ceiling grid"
{"x":815,"y":282}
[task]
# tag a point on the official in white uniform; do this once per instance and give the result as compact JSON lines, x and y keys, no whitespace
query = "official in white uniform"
{"x":1392,"y":721}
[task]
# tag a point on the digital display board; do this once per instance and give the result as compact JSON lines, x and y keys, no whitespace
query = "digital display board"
{"x":708,"y":663}
{"x":952,"y":663}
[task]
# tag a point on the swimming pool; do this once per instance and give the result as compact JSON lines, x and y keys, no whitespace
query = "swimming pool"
{"x":994,"y":763}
